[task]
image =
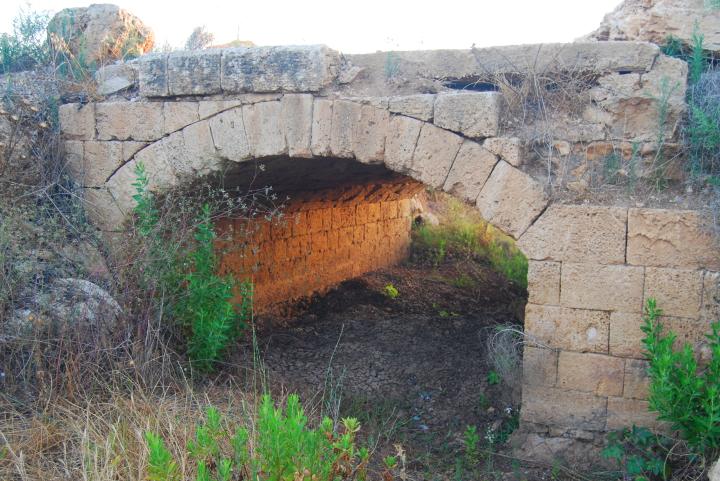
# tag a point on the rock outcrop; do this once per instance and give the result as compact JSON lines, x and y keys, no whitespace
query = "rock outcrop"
{"x":99,"y":34}
{"x":655,"y":20}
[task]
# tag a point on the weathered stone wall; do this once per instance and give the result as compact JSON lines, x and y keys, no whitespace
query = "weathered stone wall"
{"x":323,"y":238}
{"x":591,"y":270}
{"x":591,"y":266}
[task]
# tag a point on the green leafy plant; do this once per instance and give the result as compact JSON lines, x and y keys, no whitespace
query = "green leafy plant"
{"x":682,"y":393}
{"x":198,"y":299}
{"x":26,"y":46}
{"x":640,"y":453}
{"x":493,"y":378}
{"x":391,"y":291}
{"x":471,"y":439}
{"x":282,"y":448}
{"x":161,"y":466}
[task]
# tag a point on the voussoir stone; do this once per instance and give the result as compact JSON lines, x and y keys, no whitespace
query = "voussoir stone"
{"x":470,"y":171}
{"x":345,"y":118}
{"x":511,"y":199}
{"x":278,"y":69}
{"x":577,"y":233}
{"x":321,"y":127}
{"x":297,"y":116}
{"x":403,"y":133}
{"x":264,"y":128}
{"x":228,"y":134}
{"x":369,"y":135}
{"x":475,"y":114}
{"x":510,"y":149}
{"x":434,"y":154}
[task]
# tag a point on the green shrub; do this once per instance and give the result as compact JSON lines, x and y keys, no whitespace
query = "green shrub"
{"x":682,"y":393}
{"x":26,"y":47}
{"x":391,"y":291}
{"x":184,"y":275}
{"x":281,"y":447}
{"x":641,"y":454}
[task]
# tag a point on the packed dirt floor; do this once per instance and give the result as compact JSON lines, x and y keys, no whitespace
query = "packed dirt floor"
{"x":414,"y":368}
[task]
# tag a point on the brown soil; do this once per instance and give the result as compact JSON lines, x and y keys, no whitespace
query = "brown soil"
{"x":413,"y":369}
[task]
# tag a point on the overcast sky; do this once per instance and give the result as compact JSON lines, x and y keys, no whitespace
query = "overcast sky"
{"x":358,"y":26}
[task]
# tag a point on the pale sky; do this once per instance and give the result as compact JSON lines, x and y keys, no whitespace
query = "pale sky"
{"x":359,"y":26}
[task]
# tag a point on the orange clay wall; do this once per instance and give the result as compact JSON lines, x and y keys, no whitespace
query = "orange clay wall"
{"x":323,"y":237}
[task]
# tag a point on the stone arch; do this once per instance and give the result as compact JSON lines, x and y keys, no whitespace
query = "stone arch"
{"x":591,"y":266}
{"x":303,"y":126}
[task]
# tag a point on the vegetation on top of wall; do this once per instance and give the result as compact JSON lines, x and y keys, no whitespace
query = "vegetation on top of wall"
{"x":26,"y":47}
{"x":462,"y":233}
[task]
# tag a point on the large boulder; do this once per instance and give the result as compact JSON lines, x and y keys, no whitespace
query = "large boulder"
{"x":99,"y":34}
{"x":655,"y":20}
{"x":67,"y":304}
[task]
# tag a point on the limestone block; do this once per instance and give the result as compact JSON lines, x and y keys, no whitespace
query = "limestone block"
{"x":264,"y":129}
{"x":152,"y":75}
{"x":346,"y":115}
{"x":637,"y":380}
{"x":474,"y":114}
{"x":419,"y":106}
{"x":77,"y":121}
{"x":578,"y":330}
{"x":130,"y":148}
{"x":589,"y":372}
{"x":678,"y":291}
{"x":593,"y":286}
{"x":115,"y":78}
{"x":177,"y":115}
{"x":297,"y":116}
{"x":471,"y":169}
{"x":208,"y":108}
{"x":628,"y":103}
{"x":73,"y":153}
{"x":434,"y":154}
{"x":539,"y":366}
{"x":710,"y":310}
{"x":369,"y":135}
{"x":278,"y":69}
{"x":511,"y":199}
{"x":191,"y":151}
{"x":100,"y":161}
{"x":102,"y":210}
{"x":158,"y":162}
{"x":321,"y":127}
{"x":561,"y":408}
{"x":577,"y":233}
{"x":622,"y":413}
{"x":510,"y":149}
{"x":403,"y":133}
{"x":228,"y":135}
{"x":544,"y":282}
{"x":141,"y":121}
{"x":625,"y":334}
{"x":670,"y":238}
{"x":195,"y":72}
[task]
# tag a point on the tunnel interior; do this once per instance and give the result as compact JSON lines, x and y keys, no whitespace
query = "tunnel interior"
{"x":417,"y":363}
